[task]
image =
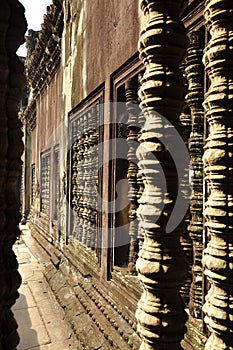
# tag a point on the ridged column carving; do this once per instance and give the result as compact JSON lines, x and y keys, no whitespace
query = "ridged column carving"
{"x":161,"y":264}
{"x":12,"y":30}
{"x":131,"y":93}
{"x":195,"y":97}
{"x":186,"y":241}
{"x":141,"y":120}
{"x":218,"y":160}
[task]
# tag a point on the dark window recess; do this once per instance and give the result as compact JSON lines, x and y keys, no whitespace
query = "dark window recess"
{"x":126,"y":189}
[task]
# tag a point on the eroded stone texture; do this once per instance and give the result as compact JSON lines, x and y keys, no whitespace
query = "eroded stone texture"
{"x":161,"y":264}
{"x":131,"y":90}
{"x":44,"y":53}
{"x":217,"y":260}
{"x":12,"y":29}
{"x":195,"y":76}
{"x":31,"y":41}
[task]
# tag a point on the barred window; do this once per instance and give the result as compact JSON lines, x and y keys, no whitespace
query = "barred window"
{"x":45,"y":183}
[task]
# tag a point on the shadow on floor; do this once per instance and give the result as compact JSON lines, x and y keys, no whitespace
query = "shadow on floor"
{"x":27,"y":317}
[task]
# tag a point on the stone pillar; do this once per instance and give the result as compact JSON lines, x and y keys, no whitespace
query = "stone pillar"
{"x":12,"y":29}
{"x":218,"y":161}
{"x":186,"y":241}
{"x":25,"y":184}
{"x":141,"y":119}
{"x":131,"y":93}
{"x":161,"y":264}
{"x":195,"y":97}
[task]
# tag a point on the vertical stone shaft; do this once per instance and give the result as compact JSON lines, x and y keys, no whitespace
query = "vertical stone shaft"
{"x":141,"y":120}
{"x":195,"y":97}
{"x":186,"y":241}
{"x":25,"y":183}
{"x":161,"y":264}
{"x":12,"y":29}
{"x":4,"y":18}
{"x":131,"y":93}
{"x":218,"y":161}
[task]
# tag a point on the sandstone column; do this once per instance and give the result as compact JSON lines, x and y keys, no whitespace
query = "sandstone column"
{"x":131,"y":92}
{"x":195,"y":76}
{"x":218,"y":160}
{"x":161,"y":264}
{"x":12,"y":29}
{"x":186,"y":241}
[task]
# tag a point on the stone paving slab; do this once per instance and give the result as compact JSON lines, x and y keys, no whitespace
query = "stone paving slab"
{"x":30,"y":272}
{"x":41,"y":323}
{"x":40,"y":290}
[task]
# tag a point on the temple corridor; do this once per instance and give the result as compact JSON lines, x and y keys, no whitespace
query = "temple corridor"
{"x":116,"y":176}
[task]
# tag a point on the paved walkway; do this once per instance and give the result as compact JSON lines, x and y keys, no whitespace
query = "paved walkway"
{"x":38,"y":314}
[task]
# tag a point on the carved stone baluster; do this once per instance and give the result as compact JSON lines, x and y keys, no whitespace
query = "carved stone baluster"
{"x":131,"y":93}
{"x":12,"y":30}
{"x":85,"y":171}
{"x":48,"y":184}
{"x":33,"y":184}
{"x":186,"y":241}
{"x":140,"y":183}
{"x":90,"y":163}
{"x":85,"y":179}
{"x":161,"y":264}
{"x":195,"y":97}
{"x":45,"y":183}
{"x":185,"y":120}
{"x":218,"y":160}
{"x":78,"y":190}
{"x":80,"y":178}
{"x":57,"y":185}
{"x":87,"y":167}
{"x":4,"y":77}
{"x":93,"y":175}
{"x":74,"y":166}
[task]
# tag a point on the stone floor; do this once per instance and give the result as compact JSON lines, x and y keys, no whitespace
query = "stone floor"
{"x":39,"y":316}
